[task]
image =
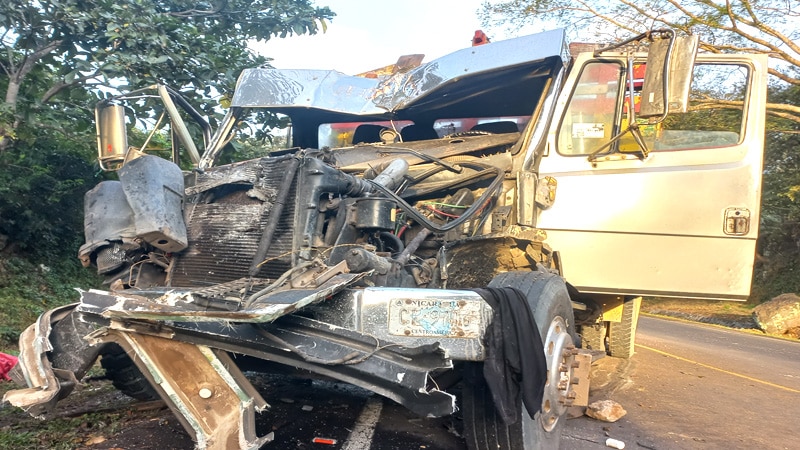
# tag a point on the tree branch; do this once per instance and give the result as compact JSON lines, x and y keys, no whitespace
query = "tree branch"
{"x":760,"y":26}
{"x":197,"y":12}
{"x":31,"y":59}
{"x":782,"y":110}
{"x":784,"y":115}
{"x":58,"y":87}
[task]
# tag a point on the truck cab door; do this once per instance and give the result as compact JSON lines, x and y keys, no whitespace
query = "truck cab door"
{"x":680,"y":221}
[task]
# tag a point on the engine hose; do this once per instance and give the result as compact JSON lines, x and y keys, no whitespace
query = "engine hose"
{"x":413,"y":246}
{"x":455,"y":159}
{"x":427,"y":174}
{"x":398,"y":243}
{"x":482,"y":202}
{"x":451,"y":184}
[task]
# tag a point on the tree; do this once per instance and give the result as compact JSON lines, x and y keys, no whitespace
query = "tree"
{"x":59,"y":57}
{"x":79,"y":44}
{"x":751,"y":26}
{"x":779,"y":237}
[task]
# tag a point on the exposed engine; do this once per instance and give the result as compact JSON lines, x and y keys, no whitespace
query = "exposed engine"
{"x":290,"y":221}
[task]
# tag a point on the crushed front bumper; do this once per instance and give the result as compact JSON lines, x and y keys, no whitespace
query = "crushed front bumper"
{"x":390,"y":341}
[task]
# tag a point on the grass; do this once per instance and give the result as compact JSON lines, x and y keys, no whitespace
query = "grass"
{"x":59,"y":433}
{"x":80,"y":418}
{"x":29,"y":288}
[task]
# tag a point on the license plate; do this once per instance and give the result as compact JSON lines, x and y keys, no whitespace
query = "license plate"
{"x":435,"y":318}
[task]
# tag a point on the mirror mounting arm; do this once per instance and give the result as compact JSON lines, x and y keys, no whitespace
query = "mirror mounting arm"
{"x":633,"y":125}
{"x":636,"y":132}
{"x":637,"y":136}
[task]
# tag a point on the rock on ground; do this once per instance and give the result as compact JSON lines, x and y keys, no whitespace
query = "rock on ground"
{"x":779,"y":315}
{"x":605,"y":410}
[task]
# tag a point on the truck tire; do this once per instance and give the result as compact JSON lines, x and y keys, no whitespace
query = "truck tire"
{"x":622,"y":334}
{"x":483,"y":427}
{"x":593,"y":337}
{"x":124,"y":374}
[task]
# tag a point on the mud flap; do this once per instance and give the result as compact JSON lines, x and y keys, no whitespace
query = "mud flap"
{"x":213,"y":401}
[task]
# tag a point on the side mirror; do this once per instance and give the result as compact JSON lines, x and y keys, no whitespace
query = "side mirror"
{"x":112,"y":137}
{"x":668,"y":76}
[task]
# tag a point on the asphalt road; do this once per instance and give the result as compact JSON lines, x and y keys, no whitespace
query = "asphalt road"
{"x":696,"y":386}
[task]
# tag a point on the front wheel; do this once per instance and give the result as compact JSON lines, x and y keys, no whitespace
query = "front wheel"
{"x":552,"y":310}
{"x":124,"y":374}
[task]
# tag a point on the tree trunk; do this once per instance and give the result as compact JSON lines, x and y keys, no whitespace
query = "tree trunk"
{"x":12,"y":93}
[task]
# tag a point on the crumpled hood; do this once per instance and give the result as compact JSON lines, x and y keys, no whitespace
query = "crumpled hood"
{"x":474,"y":70}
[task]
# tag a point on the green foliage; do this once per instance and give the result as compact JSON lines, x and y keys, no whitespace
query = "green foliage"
{"x":18,"y":430}
{"x":29,"y":287}
{"x":779,"y":268}
{"x":55,"y":55}
{"x":260,"y":133}
{"x":198,"y":47}
{"x":59,"y":433}
{"x":41,"y":194}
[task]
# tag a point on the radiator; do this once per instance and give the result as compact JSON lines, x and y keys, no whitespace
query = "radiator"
{"x":226,"y":212}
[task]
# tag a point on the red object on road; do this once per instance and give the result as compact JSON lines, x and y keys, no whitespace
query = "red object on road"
{"x":326,"y":441}
{"x":7,"y":362}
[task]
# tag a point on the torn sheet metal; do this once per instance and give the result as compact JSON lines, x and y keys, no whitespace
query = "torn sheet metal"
{"x":244,"y":172}
{"x":339,"y":93}
{"x":46,"y":385}
{"x":181,"y":306}
{"x":395,"y":371}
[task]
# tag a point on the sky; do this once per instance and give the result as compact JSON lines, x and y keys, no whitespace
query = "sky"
{"x":368,"y":34}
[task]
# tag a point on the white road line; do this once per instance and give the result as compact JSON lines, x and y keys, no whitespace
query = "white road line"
{"x":361,"y":436}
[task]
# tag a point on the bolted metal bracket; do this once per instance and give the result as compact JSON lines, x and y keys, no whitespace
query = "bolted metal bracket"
{"x":203,"y":387}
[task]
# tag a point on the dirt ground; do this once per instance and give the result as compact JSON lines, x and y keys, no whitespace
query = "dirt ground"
{"x":98,"y":417}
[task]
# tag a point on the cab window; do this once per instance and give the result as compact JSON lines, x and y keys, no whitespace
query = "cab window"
{"x":715,"y":116}
{"x":716,"y":112}
{"x":589,"y":121}
{"x":489,"y":125}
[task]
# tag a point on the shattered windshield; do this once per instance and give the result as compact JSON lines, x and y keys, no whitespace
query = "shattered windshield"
{"x":491,"y":89}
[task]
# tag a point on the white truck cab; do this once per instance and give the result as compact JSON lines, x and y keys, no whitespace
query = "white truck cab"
{"x":681,"y":221}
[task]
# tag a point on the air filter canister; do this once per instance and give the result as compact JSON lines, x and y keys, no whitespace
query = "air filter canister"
{"x":375,"y":213}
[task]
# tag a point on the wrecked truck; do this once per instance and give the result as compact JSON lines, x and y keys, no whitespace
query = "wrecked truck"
{"x":479,"y":221}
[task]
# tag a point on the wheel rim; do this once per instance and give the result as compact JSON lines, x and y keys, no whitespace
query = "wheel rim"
{"x":560,"y":355}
